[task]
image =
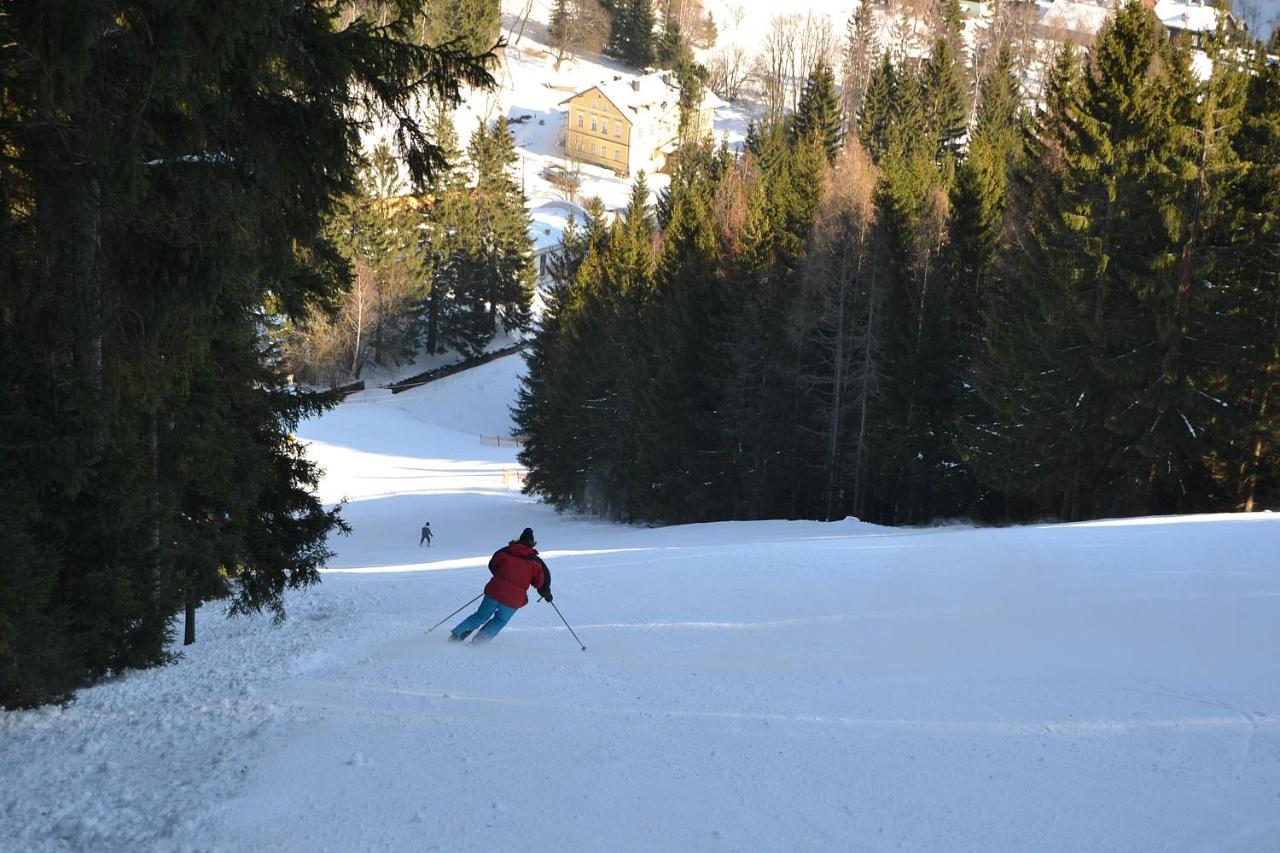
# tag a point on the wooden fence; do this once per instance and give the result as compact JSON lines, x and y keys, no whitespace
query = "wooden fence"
{"x":502,"y":440}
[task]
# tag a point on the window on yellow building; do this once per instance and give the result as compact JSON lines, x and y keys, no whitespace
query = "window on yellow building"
{"x":579,"y":119}
{"x":593,"y":148}
{"x":593,"y":122}
{"x":617,"y":128}
{"x":617,"y":154}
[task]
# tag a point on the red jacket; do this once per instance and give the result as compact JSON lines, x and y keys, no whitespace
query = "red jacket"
{"x":515,"y":568}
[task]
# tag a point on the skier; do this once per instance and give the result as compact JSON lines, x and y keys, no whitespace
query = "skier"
{"x":515,"y":568}
{"x":426,"y":534}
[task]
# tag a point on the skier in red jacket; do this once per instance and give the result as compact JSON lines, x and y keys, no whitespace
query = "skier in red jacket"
{"x":515,"y":568}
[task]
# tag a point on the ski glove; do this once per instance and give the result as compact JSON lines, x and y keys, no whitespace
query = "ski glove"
{"x":545,"y":592}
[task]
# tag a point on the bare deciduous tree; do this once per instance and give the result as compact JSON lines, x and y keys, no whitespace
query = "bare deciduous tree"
{"x":913,"y":23}
{"x":693,"y":19}
{"x":792,"y":48}
{"x":728,"y":72}
{"x":577,"y":27}
{"x":522,"y":21}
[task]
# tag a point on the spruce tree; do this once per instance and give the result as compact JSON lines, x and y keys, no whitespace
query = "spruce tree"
{"x":504,"y":218}
{"x":981,"y":192}
{"x":1169,"y":429}
{"x":631,"y":32}
{"x":640,"y":33}
{"x":1249,"y":466}
{"x":145,"y":232}
{"x":946,"y":108}
{"x":877,"y":108}
{"x":678,"y":454}
{"x":1073,"y":359}
{"x":537,"y":416}
{"x":818,"y":111}
{"x":859,"y":61}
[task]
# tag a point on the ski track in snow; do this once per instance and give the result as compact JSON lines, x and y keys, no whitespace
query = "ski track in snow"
{"x":747,"y":686}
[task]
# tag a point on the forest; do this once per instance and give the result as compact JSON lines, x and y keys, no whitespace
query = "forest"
{"x":176,"y":200}
{"x":926,"y":297}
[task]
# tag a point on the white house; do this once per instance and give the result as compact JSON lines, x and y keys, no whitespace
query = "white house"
{"x":630,"y":123}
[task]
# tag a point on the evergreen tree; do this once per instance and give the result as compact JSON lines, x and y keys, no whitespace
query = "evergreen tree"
{"x":952,"y":23}
{"x":859,"y":62}
{"x":946,"y":109}
{"x":671,"y":48}
{"x":1248,"y":467}
{"x":375,"y":231}
{"x":480,"y":250}
{"x":640,"y":33}
{"x":818,"y":111}
{"x":981,"y":193}
{"x":1087,"y":399}
{"x":444,"y":191}
{"x":472,"y":26}
{"x":692,"y":81}
{"x":144,"y":230}
{"x":877,"y":109}
{"x":678,"y":452}
{"x":1171,"y":425}
{"x":537,"y":415}
{"x":577,"y":413}
{"x":631,"y":32}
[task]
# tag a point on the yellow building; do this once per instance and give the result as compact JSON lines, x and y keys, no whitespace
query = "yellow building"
{"x":629,"y":125}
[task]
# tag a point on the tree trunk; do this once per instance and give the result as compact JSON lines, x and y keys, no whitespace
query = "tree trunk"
{"x":524,"y":20}
{"x":433,"y":321}
{"x":153,"y":508}
{"x":833,"y":442}
{"x":864,"y":396}
{"x":189,"y":625}
{"x":88,"y":269}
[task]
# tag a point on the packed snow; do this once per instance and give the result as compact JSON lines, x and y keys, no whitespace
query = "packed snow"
{"x":747,"y":686}
{"x":762,"y":686}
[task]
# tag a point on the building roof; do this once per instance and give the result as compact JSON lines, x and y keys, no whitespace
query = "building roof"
{"x":641,"y":98}
{"x":1075,"y":16}
{"x":1193,"y":16}
{"x":548,"y":221}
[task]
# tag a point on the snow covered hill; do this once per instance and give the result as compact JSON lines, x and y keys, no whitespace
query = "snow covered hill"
{"x":763,"y":686}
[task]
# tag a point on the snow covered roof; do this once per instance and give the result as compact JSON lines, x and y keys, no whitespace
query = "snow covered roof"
{"x":1193,"y":16}
{"x":1075,"y":16}
{"x":641,"y":98}
{"x":548,"y":221}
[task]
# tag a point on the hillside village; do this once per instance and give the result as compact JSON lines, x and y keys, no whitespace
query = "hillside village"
{"x":617,"y":121}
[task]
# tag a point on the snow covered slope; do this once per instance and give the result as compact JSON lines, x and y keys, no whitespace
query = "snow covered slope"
{"x":763,"y":686}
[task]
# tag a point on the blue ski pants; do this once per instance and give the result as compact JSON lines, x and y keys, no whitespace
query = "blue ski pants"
{"x":492,"y":614}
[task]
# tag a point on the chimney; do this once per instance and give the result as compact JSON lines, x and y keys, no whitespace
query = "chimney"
{"x":635,"y":85}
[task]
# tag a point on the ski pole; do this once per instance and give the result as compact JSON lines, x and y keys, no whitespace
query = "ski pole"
{"x":453,"y":614}
{"x":566,"y":624}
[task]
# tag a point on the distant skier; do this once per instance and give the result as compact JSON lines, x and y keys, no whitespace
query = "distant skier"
{"x":515,"y":568}
{"x":426,"y":534}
